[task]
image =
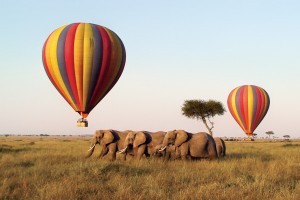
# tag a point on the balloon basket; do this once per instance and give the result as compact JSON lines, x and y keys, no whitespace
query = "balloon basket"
{"x":82,"y":122}
{"x":249,"y":139}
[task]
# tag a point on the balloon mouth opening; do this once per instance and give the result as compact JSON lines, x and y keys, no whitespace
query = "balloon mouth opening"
{"x":83,"y":114}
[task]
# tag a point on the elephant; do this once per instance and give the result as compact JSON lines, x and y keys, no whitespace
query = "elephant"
{"x":110,"y":140}
{"x":142,"y":143}
{"x":220,"y":146}
{"x":191,"y":146}
{"x":167,"y":153}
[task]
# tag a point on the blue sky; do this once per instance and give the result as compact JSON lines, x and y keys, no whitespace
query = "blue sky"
{"x":176,"y":50}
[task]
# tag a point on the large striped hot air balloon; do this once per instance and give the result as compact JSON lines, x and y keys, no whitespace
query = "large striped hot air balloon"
{"x":248,"y":104}
{"x":83,"y":61}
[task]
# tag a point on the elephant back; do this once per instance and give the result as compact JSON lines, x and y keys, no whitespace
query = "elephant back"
{"x":202,"y":145}
{"x":157,"y":137}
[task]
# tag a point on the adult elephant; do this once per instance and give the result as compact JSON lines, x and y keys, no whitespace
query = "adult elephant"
{"x":220,"y":146}
{"x":110,"y":141}
{"x":141,"y":143}
{"x":199,"y":145}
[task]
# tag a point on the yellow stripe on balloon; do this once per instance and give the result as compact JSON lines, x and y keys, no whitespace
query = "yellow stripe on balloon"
{"x":87,"y":61}
{"x":51,"y":57}
{"x":78,"y":61}
{"x":116,"y":56}
{"x":250,"y":107}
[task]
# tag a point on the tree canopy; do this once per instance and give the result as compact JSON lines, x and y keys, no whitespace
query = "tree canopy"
{"x":270,"y":133}
{"x":202,"y":110}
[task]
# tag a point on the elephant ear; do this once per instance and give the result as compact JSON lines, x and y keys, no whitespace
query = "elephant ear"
{"x":108,"y":137}
{"x":181,"y":137}
{"x":140,"y":138}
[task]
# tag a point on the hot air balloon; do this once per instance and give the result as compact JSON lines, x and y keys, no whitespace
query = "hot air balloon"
{"x":83,"y":61}
{"x":248,"y":104}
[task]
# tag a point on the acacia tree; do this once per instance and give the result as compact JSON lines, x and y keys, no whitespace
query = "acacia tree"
{"x":270,"y":133}
{"x":286,"y":137}
{"x":203,"y":110}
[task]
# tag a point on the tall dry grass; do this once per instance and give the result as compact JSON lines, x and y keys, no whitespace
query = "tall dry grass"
{"x":55,"y":168}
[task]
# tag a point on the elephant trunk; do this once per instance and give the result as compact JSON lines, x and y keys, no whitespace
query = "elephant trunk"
{"x":91,"y":151}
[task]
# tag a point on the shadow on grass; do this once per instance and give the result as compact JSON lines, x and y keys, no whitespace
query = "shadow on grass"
{"x":10,"y":149}
{"x":289,"y":145}
{"x":124,"y":170}
{"x":241,"y":156}
{"x":25,"y":164}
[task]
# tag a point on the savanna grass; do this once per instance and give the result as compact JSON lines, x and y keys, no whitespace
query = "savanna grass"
{"x":55,"y":168}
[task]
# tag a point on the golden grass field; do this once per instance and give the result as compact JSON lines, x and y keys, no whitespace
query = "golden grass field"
{"x":55,"y":168}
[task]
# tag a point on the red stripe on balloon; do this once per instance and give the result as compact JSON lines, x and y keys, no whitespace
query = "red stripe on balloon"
{"x":105,"y":72}
{"x":262,"y":108}
{"x":258,"y":108}
{"x":241,"y":106}
{"x":246,"y":110}
{"x":69,"y":60}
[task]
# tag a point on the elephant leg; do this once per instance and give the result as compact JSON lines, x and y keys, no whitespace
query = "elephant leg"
{"x":183,"y":152}
{"x":103,"y":152}
{"x":112,"y":151}
{"x":140,"y":151}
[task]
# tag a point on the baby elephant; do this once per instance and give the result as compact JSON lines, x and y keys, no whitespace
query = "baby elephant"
{"x":167,"y":153}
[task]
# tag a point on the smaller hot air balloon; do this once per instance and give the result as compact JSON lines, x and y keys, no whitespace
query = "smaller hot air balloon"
{"x":248,"y":104}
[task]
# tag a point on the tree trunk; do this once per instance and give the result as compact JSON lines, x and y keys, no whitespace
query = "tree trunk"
{"x":209,"y":130}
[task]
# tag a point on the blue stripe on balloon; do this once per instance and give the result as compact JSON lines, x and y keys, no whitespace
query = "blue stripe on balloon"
{"x":61,"y":60}
{"x":254,"y":111}
{"x":97,"y":60}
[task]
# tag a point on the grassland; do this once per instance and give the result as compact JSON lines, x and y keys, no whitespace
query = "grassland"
{"x":55,"y":168}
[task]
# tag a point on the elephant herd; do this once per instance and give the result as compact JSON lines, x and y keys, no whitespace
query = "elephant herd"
{"x":171,"y":145}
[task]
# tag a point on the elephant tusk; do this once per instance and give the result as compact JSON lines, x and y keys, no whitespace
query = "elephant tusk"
{"x":123,"y":150}
{"x":163,"y":148}
{"x":92,"y":147}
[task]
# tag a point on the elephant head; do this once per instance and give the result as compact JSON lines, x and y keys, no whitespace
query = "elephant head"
{"x":102,"y":137}
{"x":176,"y":138}
{"x":134,"y":140}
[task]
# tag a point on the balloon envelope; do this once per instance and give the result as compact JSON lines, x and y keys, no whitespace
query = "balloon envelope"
{"x":83,"y":61}
{"x":248,"y":104}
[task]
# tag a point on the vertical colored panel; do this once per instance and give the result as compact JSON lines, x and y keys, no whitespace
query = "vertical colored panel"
{"x":250,"y":107}
{"x":78,"y":62}
{"x":234,"y":107}
{"x":97,"y":60}
{"x":69,"y":62}
{"x":239,"y":104}
{"x":116,"y":59}
{"x":254,"y":107}
{"x":106,"y":54}
{"x":88,"y":50}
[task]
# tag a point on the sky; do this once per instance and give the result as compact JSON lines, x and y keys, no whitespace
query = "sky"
{"x":176,"y":50}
